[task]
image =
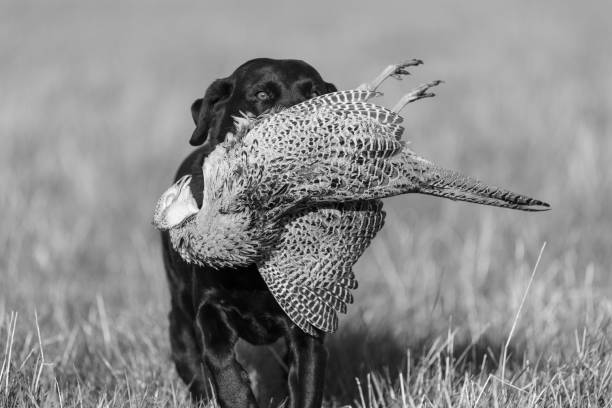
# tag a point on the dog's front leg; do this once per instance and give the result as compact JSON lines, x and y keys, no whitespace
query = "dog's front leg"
{"x":231,"y":381}
{"x":306,"y":369}
{"x":186,"y":353}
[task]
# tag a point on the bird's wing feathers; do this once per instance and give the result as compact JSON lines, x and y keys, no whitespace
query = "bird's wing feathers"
{"x":322,"y":147}
{"x":310,"y":272}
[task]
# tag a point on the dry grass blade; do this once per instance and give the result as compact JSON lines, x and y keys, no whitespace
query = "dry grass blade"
{"x":504,"y":355}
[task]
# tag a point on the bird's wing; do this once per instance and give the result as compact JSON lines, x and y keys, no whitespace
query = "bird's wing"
{"x":310,"y":272}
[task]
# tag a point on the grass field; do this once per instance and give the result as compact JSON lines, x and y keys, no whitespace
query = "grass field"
{"x":94,"y":120}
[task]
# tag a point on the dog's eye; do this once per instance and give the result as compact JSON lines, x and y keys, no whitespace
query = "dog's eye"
{"x":263,"y":96}
{"x":314,"y":94}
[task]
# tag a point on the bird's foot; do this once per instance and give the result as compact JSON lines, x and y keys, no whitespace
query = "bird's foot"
{"x":396,"y":71}
{"x":417,"y":93}
{"x":400,"y":69}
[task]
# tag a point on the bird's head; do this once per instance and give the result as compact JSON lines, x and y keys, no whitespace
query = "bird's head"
{"x":175,"y":205}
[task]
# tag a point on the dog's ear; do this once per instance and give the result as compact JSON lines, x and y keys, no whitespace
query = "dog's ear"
{"x":330,"y":87}
{"x":205,"y":111}
{"x":195,"y":109}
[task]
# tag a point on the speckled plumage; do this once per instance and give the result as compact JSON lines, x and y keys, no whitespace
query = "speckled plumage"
{"x":297,"y":192}
{"x":309,"y":271}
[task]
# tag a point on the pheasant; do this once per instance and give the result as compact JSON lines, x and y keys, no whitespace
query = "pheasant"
{"x":297,"y":191}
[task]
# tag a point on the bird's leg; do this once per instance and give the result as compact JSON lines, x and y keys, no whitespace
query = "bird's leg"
{"x":417,"y":93}
{"x":395,"y":70}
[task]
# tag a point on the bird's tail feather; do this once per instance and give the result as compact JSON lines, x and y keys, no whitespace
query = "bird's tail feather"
{"x":441,"y":182}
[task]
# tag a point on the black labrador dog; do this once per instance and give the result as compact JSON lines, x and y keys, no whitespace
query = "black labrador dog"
{"x":212,"y":309}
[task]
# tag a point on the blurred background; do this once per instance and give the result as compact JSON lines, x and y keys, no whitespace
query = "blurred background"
{"x":94,"y":121}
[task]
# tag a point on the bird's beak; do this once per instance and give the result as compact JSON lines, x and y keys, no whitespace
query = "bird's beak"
{"x":175,"y":205}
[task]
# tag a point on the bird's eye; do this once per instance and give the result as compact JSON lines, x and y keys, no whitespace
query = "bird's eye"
{"x":263,"y":96}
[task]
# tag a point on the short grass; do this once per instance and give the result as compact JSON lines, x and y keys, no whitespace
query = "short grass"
{"x":94,"y":121}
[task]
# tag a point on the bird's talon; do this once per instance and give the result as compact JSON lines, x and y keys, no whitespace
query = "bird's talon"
{"x":399,"y":72}
{"x":421,"y":89}
{"x":411,"y":63}
{"x":419,"y":92}
{"x":400,"y":69}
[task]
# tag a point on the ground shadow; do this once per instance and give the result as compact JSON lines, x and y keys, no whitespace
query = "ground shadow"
{"x":356,"y":351}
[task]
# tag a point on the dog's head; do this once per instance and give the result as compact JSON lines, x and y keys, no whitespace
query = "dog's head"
{"x":254,"y":87}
